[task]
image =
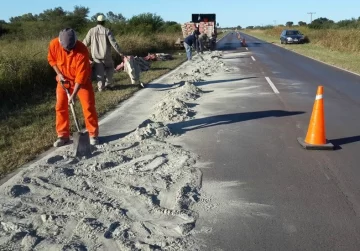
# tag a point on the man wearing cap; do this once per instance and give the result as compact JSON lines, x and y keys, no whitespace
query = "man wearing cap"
{"x":70,"y":60}
{"x":100,"y":39}
{"x":189,"y":42}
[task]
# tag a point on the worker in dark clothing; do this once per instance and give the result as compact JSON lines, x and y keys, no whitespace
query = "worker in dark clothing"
{"x":190,"y":41}
{"x":199,"y":40}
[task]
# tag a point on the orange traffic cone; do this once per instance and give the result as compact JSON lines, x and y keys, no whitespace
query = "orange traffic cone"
{"x":315,"y":137}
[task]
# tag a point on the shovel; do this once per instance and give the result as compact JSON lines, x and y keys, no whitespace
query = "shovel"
{"x":81,"y":140}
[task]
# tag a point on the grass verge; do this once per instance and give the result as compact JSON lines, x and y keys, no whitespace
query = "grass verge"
{"x":29,"y":131}
{"x":220,"y":35}
{"x":348,"y":60}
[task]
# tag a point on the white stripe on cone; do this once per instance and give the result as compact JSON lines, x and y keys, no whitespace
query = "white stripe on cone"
{"x":318,"y":97}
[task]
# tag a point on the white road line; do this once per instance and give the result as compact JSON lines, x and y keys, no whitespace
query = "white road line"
{"x":272,"y":85}
{"x":247,"y":48}
{"x":253,"y":58}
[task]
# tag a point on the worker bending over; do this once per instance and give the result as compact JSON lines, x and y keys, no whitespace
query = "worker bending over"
{"x":70,"y":60}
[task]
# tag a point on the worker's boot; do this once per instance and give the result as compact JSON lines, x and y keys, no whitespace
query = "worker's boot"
{"x":61,"y":141}
{"x":101,"y":87}
{"x":108,"y":86}
{"x":94,"y":141}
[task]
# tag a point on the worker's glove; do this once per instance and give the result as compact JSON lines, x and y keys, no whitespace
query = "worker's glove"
{"x":60,"y":77}
{"x":71,"y":100}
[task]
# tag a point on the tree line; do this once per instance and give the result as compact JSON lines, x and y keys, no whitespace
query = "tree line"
{"x":319,"y":23}
{"x":51,"y":21}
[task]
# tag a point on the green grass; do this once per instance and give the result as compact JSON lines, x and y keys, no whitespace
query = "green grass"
{"x":29,"y":130}
{"x":344,"y":57}
{"x":220,"y":35}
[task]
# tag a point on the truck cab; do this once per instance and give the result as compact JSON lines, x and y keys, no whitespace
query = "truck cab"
{"x":206,"y":23}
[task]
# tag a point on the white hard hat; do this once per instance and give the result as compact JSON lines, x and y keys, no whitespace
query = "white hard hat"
{"x":101,"y":18}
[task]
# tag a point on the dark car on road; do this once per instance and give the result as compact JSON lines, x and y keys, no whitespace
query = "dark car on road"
{"x":291,"y":37}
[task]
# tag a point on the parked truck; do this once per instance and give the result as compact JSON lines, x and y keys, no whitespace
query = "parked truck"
{"x":207,"y":26}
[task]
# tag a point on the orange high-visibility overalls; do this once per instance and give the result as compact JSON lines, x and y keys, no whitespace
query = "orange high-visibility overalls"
{"x":75,"y":67}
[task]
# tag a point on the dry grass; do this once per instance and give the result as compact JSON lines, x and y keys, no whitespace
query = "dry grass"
{"x":340,"y":48}
{"x":220,"y":35}
{"x":344,"y":40}
{"x":27,"y":87}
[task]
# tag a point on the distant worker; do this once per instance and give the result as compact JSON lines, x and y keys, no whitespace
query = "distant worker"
{"x":100,"y":39}
{"x":70,"y":60}
{"x":212,"y":41}
{"x":189,"y":42}
{"x":200,"y":42}
{"x":199,"y":37}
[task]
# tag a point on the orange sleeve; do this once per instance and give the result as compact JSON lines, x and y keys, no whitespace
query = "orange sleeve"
{"x":83,"y":69}
{"x":52,"y":54}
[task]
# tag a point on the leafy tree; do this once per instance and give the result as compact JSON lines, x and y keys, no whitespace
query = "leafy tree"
{"x":24,"y":18}
{"x":321,"y":23}
{"x":115,"y":18}
{"x":349,"y":23}
{"x":48,"y":23}
{"x":146,"y":22}
{"x":52,"y":14}
{"x":169,"y":23}
{"x":3,"y":29}
{"x":171,"y":27}
{"x":239,"y":27}
{"x":301,"y":23}
{"x":267,"y":27}
{"x":250,"y":27}
{"x":80,"y":11}
{"x":289,"y":24}
{"x":77,"y":19}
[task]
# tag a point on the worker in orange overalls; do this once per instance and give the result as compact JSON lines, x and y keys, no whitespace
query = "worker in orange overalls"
{"x":70,"y":60}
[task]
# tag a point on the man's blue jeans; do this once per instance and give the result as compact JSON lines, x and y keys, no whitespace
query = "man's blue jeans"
{"x":188,"y":51}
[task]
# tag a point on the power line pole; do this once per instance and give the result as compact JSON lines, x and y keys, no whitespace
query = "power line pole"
{"x":311,"y":14}
{"x":275,"y":22}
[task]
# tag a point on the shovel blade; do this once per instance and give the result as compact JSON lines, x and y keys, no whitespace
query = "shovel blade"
{"x":81,"y":144}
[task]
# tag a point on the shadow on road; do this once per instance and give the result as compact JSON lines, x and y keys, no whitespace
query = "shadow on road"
{"x":160,"y":86}
{"x":256,"y":44}
{"x":344,"y":141}
{"x":235,"y":57}
{"x":161,"y":68}
{"x":109,"y":138}
{"x":221,"y":81}
{"x":166,"y":87}
{"x":121,"y":87}
{"x":194,"y":124}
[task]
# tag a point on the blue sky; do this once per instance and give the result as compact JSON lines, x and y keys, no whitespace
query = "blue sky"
{"x":229,"y":12}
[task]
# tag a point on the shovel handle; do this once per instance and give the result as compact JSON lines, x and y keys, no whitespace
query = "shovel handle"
{"x":66,"y":88}
{"x":71,"y":105}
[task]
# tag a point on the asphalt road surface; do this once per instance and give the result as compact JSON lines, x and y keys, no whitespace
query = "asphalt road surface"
{"x":271,"y":193}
